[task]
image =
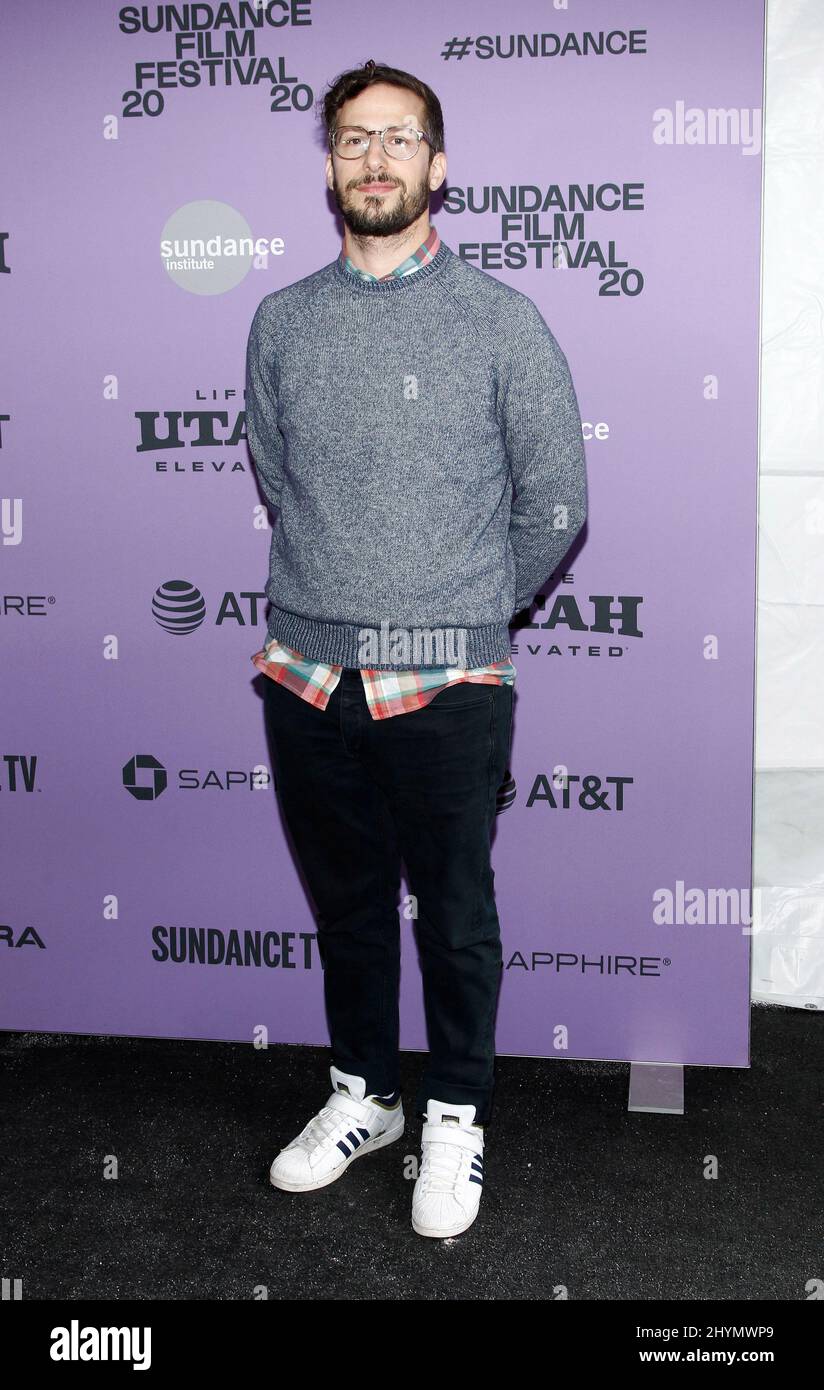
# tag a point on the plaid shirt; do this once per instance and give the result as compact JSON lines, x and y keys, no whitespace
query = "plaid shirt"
{"x":387,"y":692}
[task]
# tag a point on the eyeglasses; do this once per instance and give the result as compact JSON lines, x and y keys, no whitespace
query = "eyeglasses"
{"x":398,"y":141}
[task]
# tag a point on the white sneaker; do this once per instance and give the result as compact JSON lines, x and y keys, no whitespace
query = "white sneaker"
{"x":447,"y":1193}
{"x":349,"y":1124}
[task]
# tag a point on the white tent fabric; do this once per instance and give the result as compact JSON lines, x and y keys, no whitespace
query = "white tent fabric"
{"x":788,"y":835}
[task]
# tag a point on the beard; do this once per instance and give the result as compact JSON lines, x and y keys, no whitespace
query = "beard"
{"x":371,"y":218}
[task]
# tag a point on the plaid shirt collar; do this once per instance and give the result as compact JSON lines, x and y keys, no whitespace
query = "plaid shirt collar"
{"x":424,"y":253}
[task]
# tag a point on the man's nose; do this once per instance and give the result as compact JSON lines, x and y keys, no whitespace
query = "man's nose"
{"x":375,"y":157}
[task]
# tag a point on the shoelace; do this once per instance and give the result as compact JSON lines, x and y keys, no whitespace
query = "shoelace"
{"x":442,"y":1166}
{"x":324,"y":1124}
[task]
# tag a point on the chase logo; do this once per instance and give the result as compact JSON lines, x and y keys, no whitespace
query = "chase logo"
{"x":144,"y":777}
{"x":178,"y":607}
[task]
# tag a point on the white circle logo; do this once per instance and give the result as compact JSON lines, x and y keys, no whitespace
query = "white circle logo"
{"x":208,"y":248}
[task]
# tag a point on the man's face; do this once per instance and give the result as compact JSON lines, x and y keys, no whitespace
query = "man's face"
{"x":378,"y":195}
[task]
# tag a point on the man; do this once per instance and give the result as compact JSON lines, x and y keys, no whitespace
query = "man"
{"x":414,"y":423}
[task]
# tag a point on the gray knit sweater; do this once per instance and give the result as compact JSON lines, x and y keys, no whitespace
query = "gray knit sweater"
{"x":421,"y":441}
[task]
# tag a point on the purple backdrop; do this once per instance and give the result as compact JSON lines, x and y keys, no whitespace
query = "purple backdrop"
{"x":118,"y":482}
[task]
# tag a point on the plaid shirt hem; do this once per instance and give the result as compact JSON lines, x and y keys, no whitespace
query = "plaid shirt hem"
{"x":388,"y":693}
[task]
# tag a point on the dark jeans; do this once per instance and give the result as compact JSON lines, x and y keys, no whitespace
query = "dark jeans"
{"x":358,"y":795}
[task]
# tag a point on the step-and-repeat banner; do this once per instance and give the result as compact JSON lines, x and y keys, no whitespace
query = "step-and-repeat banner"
{"x":605,"y":159}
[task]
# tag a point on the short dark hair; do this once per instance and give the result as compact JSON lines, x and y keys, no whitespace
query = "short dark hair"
{"x":356,"y":80}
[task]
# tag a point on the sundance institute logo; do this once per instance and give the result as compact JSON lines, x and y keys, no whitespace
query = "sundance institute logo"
{"x":207,"y":247}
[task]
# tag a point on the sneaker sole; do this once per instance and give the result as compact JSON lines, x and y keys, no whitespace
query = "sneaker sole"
{"x":368,"y":1146}
{"x":451,"y":1231}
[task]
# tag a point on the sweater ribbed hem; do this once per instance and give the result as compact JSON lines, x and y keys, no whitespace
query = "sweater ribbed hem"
{"x":341,"y":644}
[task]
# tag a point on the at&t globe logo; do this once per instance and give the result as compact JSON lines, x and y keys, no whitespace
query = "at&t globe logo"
{"x":178,"y":607}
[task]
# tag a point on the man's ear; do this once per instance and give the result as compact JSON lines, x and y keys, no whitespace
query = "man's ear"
{"x":437,"y":171}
